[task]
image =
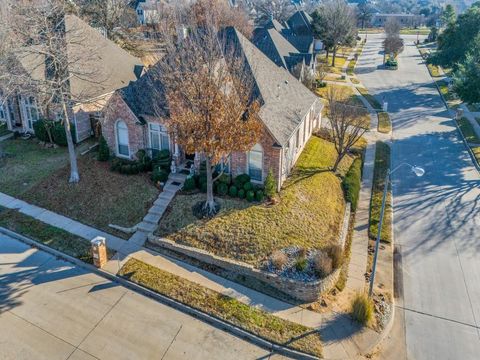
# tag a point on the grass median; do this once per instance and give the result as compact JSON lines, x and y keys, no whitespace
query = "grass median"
{"x":384,"y":123}
{"x":382,"y":164}
{"x":48,"y":235}
{"x":223,"y":307}
{"x":468,"y":131}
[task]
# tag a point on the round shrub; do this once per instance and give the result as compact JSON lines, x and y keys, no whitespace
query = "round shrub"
{"x":159,"y":175}
{"x":259,"y":196}
{"x":241,"y":194}
{"x":225,"y":179}
{"x":189,"y":184}
{"x":248,"y":186}
{"x":233,"y":192}
{"x":124,"y":169}
{"x":241,"y":180}
{"x":250,"y":196}
{"x":222,"y":189}
{"x":40,"y":129}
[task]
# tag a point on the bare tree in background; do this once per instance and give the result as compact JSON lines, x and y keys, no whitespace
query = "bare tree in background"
{"x":334,"y":22}
{"x":108,"y":14}
{"x":280,"y":10}
{"x":392,"y":44}
{"x":347,"y":123}
{"x":212,"y":109}
{"x":44,"y":56}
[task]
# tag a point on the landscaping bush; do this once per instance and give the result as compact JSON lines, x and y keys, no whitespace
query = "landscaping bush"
{"x":59,"y":135}
{"x":116,"y":164}
{"x":189,"y":184}
{"x":103,"y":150}
{"x":241,"y":180}
{"x":352,"y":182}
{"x":225,"y":179}
{"x":259,"y":196}
{"x":278,"y":259}
{"x":362,"y":309}
{"x":248,"y":186}
{"x":301,"y":264}
{"x":222,"y":189}
{"x":162,"y":159}
{"x":159,"y":175}
{"x":233,"y":192}
{"x":203,"y":187}
{"x":250,"y":196}
{"x":322,"y":264}
{"x":241,"y":194}
{"x":335,"y":252}
{"x":40,"y":129}
{"x":270,"y":185}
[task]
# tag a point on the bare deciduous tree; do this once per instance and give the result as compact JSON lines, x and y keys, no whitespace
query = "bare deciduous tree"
{"x":392,"y":27}
{"x":108,"y":14}
{"x":347,"y":123}
{"x":212,"y":110}
{"x":392,"y":44}
{"x":280,"y":10}
{"x":44,"y":56}
{"x":334,"y":22}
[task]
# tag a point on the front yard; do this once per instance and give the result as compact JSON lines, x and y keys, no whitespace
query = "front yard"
{"x":26,"y":164}
{"x":309,"y":214}
{"x":102,"y":197}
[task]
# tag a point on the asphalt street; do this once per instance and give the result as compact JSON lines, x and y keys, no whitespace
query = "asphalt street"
{"x":50,"y":309}
{"x":436,"y":216}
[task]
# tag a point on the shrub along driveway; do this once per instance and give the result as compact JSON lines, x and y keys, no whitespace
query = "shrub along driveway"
{"x":309,"y":213}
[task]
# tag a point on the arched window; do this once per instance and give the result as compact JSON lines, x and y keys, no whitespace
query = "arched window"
{"x":122,"y":139}
{"x":255,"y":163}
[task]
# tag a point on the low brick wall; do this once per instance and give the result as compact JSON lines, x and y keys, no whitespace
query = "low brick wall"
{"x":303,"y":291}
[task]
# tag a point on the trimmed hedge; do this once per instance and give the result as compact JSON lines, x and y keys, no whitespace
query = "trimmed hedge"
{"x":352,"y":182}
{"x":57,"y":130}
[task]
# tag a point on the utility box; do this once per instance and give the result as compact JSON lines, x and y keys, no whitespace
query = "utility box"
{"x":99,"y":251}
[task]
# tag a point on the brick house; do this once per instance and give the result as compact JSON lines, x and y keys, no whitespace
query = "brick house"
{"x":289,"y":113}
{"x":113,"y":67}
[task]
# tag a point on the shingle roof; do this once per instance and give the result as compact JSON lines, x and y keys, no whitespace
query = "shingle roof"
{"x":277,"y":48}
{"x":285,"y":101}
{"x":110,"y":66}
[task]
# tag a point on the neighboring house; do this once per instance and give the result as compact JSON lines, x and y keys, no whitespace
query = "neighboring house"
{"x":290,"y":44}
{"x":405,"y":20}
{"x":113,"y":67}
{"x":148,"y":11}
{"x":289,"y":113}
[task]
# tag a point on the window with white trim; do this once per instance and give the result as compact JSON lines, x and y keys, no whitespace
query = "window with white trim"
{"x":159,"y":139}
{"x":255,"y":163}
{"x":123,"y":147}
{"x":31,"y":111}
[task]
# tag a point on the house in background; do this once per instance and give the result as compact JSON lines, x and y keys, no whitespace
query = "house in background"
{"x":405,"y":20}
{"x":147,"y":11}
{"x":114,"y":68}
{"x":289,"y":113}
{"x":291,"y":44}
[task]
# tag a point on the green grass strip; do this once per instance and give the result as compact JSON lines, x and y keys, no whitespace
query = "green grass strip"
{"x":384,"y":123}
{"x":249,"y":318}
{"x":468,"y":131}
{"x":382,"y":164}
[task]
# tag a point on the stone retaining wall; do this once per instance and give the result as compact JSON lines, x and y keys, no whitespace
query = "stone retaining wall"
{"x":303,"y":291}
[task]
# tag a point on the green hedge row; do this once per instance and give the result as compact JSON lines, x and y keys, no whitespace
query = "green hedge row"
{"x":57,"y":131}
{"x":352,"y":182}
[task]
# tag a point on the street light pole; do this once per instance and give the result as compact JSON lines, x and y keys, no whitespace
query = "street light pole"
{"x":417,"y":171}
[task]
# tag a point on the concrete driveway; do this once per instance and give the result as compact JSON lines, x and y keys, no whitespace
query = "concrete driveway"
{"x":436,"y":216}
{"x":50,"y":309}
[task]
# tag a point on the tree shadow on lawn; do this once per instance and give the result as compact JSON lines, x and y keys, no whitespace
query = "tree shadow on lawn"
{"x":299,"y":175}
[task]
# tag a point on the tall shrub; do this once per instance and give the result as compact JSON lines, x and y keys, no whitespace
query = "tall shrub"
{"x":103,"y":150}
{"x":270,"y":185}
{"x":352,"y":183}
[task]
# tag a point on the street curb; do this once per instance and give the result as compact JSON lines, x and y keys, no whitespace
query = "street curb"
{"x":470,"y":152}
{"x":220,"y":324}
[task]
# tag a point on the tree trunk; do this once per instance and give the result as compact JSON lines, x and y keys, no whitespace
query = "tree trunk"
{"x":334,"y":55}
{"x":210,"y":203}
{"x":328,"y":52}
{"x":337,"y":162}
{"x":74,"y":176}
